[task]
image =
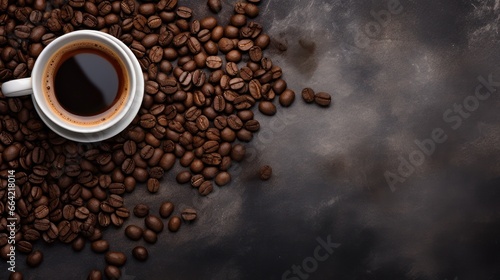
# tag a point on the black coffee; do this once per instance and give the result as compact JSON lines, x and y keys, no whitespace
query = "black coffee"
{"x":88,"y":82}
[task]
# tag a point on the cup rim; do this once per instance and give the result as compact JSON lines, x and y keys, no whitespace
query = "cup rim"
{"x":51,"y":49}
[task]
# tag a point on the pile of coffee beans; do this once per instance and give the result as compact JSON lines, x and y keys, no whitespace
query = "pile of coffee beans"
{"x":202,"y":82}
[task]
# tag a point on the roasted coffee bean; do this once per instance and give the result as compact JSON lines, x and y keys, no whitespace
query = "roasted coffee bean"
{"x":166,"y":209}
{"x":34,"y":259}
{"x":100,"y":246}
{"x":103,"y":219}
{"x":138,"y":49}
{"x":308,"y":95}
{"x":214,"y":62}
{"x":94,"y":275}
{"x":234,"y":122}
{"x":188,"y":215}
{"x":128,"y":166}
{"x":214,"y":5}
{"x":41,"y":211}
{"x":154,"y":223}
{"x":114,"y":200}
{"x":174,"y":224}
{"x":112,"y":272}
{"x":78,"y":244}
{"x":184,"y":12}
{"x":183,"y":177}
{"x":287,"y":97}
{"x":205,"y":188}
{"x":267,"y":108}
{"x":140,"y":253}
{"x":116,"y":220}
{"x":31,"y":235}
{"x":42,"y":224}
{"x":238,"y":152}
{"x":252,"y":125}
{"x":265,"y":172}
{"x":116,"y":188}
{"x":223,"y":178}
{"x":141,"y":210}
{"x":149,"y":236}
{"x":133,"y":232}
{"x":16,"y":275}
{"x":262,"y":41}
{"x":24,"y":246}
{"x":239,"y":7}
{"x":153,"y":185}
{"x":323,"y":99}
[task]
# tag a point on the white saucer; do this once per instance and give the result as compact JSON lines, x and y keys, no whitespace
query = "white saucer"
{"x":114,"y":130}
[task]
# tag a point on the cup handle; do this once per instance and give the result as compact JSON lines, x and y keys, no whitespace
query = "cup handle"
{"x":18,"y":87}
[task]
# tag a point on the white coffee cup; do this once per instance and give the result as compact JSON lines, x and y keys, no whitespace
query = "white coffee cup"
{"x":69,"y":125}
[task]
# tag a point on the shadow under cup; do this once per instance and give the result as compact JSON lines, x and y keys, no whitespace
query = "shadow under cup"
{"x":84,"y":83}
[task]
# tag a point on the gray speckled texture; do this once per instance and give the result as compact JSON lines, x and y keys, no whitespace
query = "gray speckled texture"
{"x":443,"y":222}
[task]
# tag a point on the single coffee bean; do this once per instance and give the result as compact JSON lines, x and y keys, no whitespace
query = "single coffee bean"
{"x":323,"y":99}
{"x":112,"y":272}
{"x":24,"y":247}
{"x":153,"y":185}
{"x":174,"y":224}
{"x":122,"y":212}
{"x":154,"y":223}
{"x":34,"y":259}
{"x":223,"y":178}
{"x":166,"y":209}
{"x":94,"y":275}
{"x":267,"y":108}
{"x":82,"y":213}
{"x":16,"y":276}
{"x":99,"y":246}
{"x":265,"y":172}
{"x":215,"y":5}
{"x":78,"y":244}
{"x":184,"y":12}
{"x":115,"y":258}
{"x":133,"y":232}
{"x":308,"y":95}
{"x":188,"y":214}
{"x":41,"y":211}
{"x":140,"y":253}
{"x":183,"y":177}
{"x":238,"y":152}
{"x":287,"y":97}
{"x":214,"y":62}
{"x":150,"y":236}
{"x":205,"y":188}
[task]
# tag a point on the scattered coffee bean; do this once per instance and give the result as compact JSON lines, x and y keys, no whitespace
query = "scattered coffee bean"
{"x":308,"y":95}
{"x":140,"y":253}
{"x":188,"y":215}
{"x":94,"y":275}
{"x":323,"y":99}
{"x":149,"y":236}
{"x":115,"y":258}
{"x":141,"y":210}
{"x":112,"y":272}
{"x":35,"y":258}
{"x":214,"y":5}
{"x":265,"y":172}
{"x":133,"y":232}
{"x":166,"y":209}
{"x":154,"y":223}
{"x":16,"y":276}
{"x":99,"y":246}
{"x":174,"y":224}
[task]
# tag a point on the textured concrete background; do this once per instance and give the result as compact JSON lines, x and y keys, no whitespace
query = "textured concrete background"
{"x":390,"y":89}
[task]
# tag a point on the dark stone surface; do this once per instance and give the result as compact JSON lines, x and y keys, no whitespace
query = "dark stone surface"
{"x":442,"y":222}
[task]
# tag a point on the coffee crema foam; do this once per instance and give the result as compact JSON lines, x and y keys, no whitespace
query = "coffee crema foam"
{"x":48,"y":86}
